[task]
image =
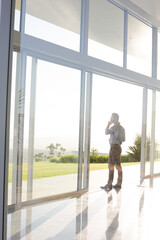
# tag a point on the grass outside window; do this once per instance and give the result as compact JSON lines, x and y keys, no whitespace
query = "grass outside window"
{"x":48,"y":169}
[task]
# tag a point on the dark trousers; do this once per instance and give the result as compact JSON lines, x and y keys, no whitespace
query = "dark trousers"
{"x":115,"y":160}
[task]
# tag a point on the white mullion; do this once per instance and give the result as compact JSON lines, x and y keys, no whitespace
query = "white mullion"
{"x":87,"y":130}
{"x":81,"y":131}
{"x":152,"y":149}
{"x":143,"y":136}
{"x":54,"y":53}
{"x":83,"y":50}
{"x":84,"y":26}
{"x":125,"y":39}
{"x":154,"y":76}
{"x":31,"y":129}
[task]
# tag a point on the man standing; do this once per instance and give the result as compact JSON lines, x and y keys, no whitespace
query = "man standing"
{"x":117,"y":136}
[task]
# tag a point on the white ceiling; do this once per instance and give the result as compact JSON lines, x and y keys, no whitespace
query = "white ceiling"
{"x":147,"y":9}
{"x":106,"y":21}
{"x":152,"y":7}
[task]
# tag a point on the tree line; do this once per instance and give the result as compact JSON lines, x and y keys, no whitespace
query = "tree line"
{"x":57,"y":153}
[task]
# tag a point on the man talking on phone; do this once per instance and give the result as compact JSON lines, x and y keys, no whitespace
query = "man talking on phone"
{"x":117,"y":136}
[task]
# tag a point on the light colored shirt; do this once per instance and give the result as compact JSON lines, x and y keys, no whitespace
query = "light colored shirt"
{"x":115,"y":134}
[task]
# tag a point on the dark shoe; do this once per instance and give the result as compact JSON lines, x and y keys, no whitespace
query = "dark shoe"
{"x":117,"y":186}
{"x":107,"y":187}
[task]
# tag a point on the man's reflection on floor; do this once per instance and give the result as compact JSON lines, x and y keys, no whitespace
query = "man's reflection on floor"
{"x":82,"y":217}
{"x":113,"y":208}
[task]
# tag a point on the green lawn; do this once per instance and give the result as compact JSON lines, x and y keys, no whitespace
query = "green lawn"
{"x":48,"y":169}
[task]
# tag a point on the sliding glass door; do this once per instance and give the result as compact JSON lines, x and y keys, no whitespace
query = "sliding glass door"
{"x":110,"y":96}
{"x":44,"y":130}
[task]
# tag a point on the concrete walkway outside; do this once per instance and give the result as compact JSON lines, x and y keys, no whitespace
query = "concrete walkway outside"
{"x":62,"y":184}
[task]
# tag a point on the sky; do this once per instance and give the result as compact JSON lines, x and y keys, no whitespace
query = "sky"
{"x":58,"y":95}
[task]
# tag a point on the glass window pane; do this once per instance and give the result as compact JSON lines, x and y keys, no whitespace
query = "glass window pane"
{"x":12,"y":166}
{"x":157,"y":135}
{"x":158,"y":65}
{"x":106,"y":32}
{"x":54,"y":21}
{"x":114,"y":96}
{"x":44,"y":130}
{"x":56,"y":130}
{"x":16,"y":122}
{"x":17,"y":15}
{"x":139,"y":50}
{"x":148,"y":132}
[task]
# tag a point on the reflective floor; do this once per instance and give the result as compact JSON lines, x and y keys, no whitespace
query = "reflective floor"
{"x":131,"y":213}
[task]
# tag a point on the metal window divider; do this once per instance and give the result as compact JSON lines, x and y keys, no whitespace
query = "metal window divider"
{"x":154,"y":75}
{"x":83,"y":50}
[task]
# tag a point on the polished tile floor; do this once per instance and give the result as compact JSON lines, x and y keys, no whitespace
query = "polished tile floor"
{"x":129,"y":214}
